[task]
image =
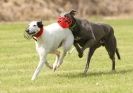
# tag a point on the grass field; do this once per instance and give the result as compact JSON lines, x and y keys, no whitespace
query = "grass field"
{"x":18,"y":60}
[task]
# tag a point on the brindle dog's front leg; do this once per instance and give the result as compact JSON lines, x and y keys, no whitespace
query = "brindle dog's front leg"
{"x":80,"y":53}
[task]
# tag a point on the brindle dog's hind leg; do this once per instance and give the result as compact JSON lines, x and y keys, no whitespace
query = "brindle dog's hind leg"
{"x":110,"y":46}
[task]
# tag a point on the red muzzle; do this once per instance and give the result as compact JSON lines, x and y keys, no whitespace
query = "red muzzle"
{"x":64,"y":22}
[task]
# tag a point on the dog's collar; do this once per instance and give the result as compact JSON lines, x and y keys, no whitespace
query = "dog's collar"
{"x":38,"y":34}
{"x":73,"y":26}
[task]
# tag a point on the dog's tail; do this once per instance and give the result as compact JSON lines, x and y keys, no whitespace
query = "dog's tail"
{"x":117,"y":53}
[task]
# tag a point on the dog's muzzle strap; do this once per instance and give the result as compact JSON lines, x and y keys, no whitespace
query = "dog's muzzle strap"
{"x":34,"y":38}
{"x":27,"y":36}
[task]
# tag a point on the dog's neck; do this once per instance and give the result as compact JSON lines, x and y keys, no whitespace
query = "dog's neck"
{"x":38,"y":34}
{"x":75,"y":27}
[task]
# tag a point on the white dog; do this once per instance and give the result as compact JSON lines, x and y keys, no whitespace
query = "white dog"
{"x":48,"y":39}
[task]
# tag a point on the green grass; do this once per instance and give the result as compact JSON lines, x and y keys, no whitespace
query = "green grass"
{"x":18,"y":60}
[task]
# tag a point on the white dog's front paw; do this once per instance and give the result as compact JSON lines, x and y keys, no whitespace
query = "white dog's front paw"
{"x":32,"y":78}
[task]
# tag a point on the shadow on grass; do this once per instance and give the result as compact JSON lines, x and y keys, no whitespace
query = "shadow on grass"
{"x":90,"y":74}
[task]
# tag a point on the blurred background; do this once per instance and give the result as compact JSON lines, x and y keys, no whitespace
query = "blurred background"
{"x":25,"y":10}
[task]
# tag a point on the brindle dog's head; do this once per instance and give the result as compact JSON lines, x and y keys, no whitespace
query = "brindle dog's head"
{"x":70,"y":15}
{"x":75,"y":26}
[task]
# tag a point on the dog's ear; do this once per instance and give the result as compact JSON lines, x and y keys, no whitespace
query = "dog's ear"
{"x":73,"y":12}
{"x":39,"y":24}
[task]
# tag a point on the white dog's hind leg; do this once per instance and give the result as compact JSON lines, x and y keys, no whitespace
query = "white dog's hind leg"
{"x":60,"y":61}
{"x":66,"y":46}
{"x":69,"y":52}
{"x":56,"y":60}
{"x":48,"y":65}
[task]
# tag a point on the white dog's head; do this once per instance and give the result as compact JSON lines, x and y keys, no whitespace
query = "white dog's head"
{"x":33,"y":28}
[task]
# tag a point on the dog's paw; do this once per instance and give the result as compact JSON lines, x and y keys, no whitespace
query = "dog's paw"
{"x":80,"y":55}
{"x":33,"y":78}
{"x":54,"y":67}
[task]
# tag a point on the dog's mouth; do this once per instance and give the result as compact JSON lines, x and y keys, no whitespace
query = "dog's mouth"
{"x":28,"y":35}
{"x":32,"y":33}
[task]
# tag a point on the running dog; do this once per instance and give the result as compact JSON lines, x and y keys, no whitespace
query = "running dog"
{"x":48,"y":39}
{"x":92,"y":35}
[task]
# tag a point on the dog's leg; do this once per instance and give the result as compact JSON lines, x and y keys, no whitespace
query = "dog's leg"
{"x":38,"y":69}
{"x":112,"y":57}
{"x":69,"y":52}
{"x":112,"y":52}
{"x":113,"y":63}
{"x":80,"y":53}
{"x":60,"y":61}
{"x":88,"y":44}
{"x":42,"y":57}
{"x":66,"y":46}
{"x":110,"y":46}
{"x":90,"y":53}
{"x":56,"y":60}
{"x":48,"y":65}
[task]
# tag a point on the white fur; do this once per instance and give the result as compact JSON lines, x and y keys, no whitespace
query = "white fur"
{"x":49,"y":42}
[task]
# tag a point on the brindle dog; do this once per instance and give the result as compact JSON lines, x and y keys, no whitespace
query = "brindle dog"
{"x":92,"y":35}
